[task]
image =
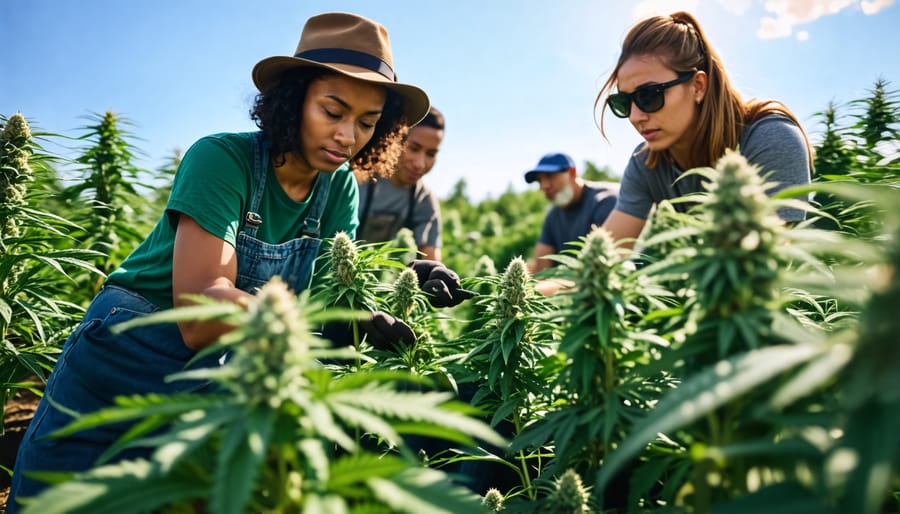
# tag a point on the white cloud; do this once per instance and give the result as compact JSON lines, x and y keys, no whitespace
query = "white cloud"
{"x":737,"y":7}
{"x":789,"y":13}
{"x":773,"y":28}
{"x":783,"y":15}
{"x":871,"y":7}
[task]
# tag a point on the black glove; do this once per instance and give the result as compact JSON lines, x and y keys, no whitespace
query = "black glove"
{"x":382,"y":330}
{"x":440,"y":283}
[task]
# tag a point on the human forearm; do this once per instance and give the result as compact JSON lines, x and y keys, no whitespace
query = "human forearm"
{"x":200,"y":334}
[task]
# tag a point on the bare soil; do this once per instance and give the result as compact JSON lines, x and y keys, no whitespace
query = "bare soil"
{"x":18,"y":413}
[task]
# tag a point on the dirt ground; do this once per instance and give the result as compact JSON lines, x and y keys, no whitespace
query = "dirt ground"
{"x":18,"y":413}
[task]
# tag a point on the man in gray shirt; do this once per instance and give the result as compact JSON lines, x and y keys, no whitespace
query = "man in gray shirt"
{"x":578,"y":206}
{"x":387,"y":205}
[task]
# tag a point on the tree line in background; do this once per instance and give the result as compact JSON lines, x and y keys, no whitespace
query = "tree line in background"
{"x":736,"y":366}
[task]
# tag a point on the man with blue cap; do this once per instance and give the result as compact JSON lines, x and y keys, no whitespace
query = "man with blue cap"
{"x":578,"y":205}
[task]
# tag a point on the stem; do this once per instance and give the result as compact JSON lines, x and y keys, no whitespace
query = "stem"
{"x":701,"y":486}
{"x":356,"y":341}
{"x":609,"y":384}
{"x":282,"y":478}
{"x":526,"y":478}
{"x":609,"y":381}
{"x":715,"y":429}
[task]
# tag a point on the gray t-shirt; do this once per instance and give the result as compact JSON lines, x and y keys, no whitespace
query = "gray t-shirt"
{"x":774,"y":143}
{"x":565,"y":225}
{"x":385,"y":208}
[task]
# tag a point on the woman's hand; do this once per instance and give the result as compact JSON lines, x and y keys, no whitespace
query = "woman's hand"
{"x":440,"y":283}
{"x":382,"y":330}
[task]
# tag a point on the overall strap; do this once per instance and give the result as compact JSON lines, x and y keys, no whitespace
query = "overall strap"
{"x":252,"y":220}
{"x":364,"y":216}
{"x":320,"y":192}
{"x":412,"y":206}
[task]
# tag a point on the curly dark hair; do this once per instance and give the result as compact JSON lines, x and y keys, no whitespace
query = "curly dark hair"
{"x":277,"y":112}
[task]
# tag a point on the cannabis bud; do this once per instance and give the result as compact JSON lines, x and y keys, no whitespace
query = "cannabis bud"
{"x":405,"y":290}
{"x":493,"y":500}
{"x":343,"y":258}
{"x":514,"y":287}
{"x":570,"y":494}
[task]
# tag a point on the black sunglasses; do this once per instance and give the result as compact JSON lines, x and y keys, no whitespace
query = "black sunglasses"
{"x":649,"y":98}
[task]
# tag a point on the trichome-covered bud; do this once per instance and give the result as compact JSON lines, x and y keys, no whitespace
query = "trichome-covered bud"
{"x":599,"y":258}
{"x":493,"y":500}
{"x":515,"y":288}
{"x":405,"y":290}
{"x":344,"y":255}
{"x":570,"y":494}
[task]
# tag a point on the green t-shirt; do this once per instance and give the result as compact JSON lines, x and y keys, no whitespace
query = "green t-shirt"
{"x":214,"y":187}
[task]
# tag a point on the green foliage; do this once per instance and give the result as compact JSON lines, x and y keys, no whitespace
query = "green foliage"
{"x":280,"y":436}
{"x":860,"y":146}
{"x":600,"y":386}
{"x":35,"y":276}
{"x":755,"y":381}
{"x":106,"y":193}
{"x":731,"y":363}
{"x":593,"y":173}
{"x":483,"y":229}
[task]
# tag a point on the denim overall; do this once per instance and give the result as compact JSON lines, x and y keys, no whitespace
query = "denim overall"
{"x":95,"y":366}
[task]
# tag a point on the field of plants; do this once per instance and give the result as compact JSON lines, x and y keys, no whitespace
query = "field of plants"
{"x":728,"y":364}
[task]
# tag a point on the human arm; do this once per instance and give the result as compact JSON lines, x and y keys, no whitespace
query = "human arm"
{"x":777,"y":146}
{"x":550,"y":286}
{"x":203,"y":264}
{"x":426,"y":224}
{"x":429,"y":252}
{"x":624,"y":226}
{"x":538,"y":263}
{"x":204,"y":212}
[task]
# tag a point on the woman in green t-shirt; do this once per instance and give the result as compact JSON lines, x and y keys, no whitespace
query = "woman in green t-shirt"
{"x":243,"y":208}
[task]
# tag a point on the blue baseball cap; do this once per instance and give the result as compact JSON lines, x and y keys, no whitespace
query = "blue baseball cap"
{"x":550,"y":163}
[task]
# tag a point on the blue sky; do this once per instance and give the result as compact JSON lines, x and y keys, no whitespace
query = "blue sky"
{"x":514,"y":78}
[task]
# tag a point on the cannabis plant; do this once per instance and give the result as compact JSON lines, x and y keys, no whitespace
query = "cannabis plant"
{"x":736,"y":337}
{"x":35,"y":274}
{"x":858,"y":467}
{"x":278,"y":434}
{"x":349,"y":277}
{"x":509,"y":344}
{"x":871,"y":394}
{"x":598,"y":390}
{"x":350,"y":274}
{"x":858,"y":146}
{"x":107,"y":192}
{"x":509,"y":357}
{"x":404,"y":300}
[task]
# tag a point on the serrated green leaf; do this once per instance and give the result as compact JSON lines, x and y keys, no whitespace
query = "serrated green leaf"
{"x":128,"y":486}
{"x":424,"y":491}
{"x":244,"y":447}
{"x":783,"y":498}
{"x":703,"y":393}
{"x":353,"y":470}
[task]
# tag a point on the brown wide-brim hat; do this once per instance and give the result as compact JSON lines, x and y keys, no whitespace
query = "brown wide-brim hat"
{"x":350,"y":45}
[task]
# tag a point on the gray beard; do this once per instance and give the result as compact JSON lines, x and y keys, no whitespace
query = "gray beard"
{"x":564,"y":196}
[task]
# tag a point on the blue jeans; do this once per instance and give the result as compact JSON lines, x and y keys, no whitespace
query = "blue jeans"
{"x":96,"y":366}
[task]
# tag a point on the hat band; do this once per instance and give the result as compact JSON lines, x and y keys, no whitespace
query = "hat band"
{"x":352,"y":57}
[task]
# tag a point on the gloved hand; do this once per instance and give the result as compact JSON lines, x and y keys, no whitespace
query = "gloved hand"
{"x":440,"y":283}
{"x":382,"y":330}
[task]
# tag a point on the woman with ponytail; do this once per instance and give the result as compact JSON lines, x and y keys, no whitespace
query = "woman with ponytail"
{"x":671,"y":85}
